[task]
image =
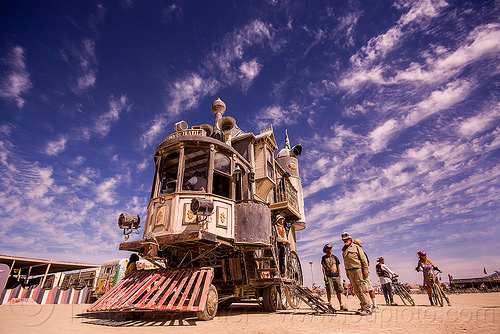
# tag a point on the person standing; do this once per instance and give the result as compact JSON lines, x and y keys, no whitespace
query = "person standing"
{"x":282,"y":241}
{"x":384,"y":274}
{"x":331,"y":274}
{"x":346,"y":288}
{"x":370,"y":286}
{"x":356,"y":267}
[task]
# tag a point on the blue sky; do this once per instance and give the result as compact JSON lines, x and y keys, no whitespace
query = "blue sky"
{"x":396,"y":103}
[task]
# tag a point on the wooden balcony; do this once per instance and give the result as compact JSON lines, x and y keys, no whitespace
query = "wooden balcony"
{"x":286,"y":200}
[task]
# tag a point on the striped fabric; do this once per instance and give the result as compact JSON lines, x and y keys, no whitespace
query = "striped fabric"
{"x":41,"y":296}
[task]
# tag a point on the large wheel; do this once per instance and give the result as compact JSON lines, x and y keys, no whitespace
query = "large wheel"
{"x":271,"y":298}
{"x":294,"y":272}
{"x":210,"y":305}
{"x":437,"y":297}
{"x":294,"y":269}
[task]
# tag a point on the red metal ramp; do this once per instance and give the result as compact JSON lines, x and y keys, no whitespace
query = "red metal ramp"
{"x":179,"y":290}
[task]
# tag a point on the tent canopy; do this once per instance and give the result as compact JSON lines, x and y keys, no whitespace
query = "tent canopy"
{"x":39,"y":267}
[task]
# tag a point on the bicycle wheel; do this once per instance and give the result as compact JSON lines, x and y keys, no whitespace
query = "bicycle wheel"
{"x":404,"y":293}
{"x":397,"y":290}
{"x":437,"y":297}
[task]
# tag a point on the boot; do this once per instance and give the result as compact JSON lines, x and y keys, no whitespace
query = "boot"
{"x":448,"y":301}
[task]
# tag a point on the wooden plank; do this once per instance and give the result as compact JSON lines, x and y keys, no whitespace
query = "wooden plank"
{"x":191,"y":306}
{"x":187,"y":291}
{"x":177,"y":291}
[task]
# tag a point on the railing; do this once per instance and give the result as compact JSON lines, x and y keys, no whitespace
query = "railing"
{"x":286,"y":192}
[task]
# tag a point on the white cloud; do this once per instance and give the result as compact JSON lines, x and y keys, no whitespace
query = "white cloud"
{"x":186,"y":93}
{"x":56,"y":147}
{"x":480,"y":123}
{"x":249,"y":71}
{"x":438,"y":100}
{"x":379,"y":46}
{"x":105,"y":191}
{"x":233,"y":46}
{"x":278,"y":116}
{"x":381,"y":135}
{"x":83,"y":59}
{"x":17,"y":82}
{"x":482,"y":43}
{"x":116,"y":107}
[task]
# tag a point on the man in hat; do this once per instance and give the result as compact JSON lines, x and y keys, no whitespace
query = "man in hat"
{"x":282,"y":239}
{"x":356,"y":267}
{"x":385,"y":274}
{"x":331,"y":274}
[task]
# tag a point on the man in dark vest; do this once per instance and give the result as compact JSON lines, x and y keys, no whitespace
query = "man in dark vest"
{"x":385,"y":274}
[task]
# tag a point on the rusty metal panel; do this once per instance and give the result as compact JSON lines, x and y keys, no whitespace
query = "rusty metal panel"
{"x":253,"y":223}
{"x":165,"y":290}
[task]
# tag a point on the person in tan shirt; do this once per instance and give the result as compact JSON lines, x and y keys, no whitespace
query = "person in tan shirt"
{"x":356,"y":267}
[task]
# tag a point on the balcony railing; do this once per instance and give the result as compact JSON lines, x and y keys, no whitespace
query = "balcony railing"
{"x":286,"y":192}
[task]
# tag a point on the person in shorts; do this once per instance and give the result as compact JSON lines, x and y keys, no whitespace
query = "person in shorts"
{"x":331,"y":274}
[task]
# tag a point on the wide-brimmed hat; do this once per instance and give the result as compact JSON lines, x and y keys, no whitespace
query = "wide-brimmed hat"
{"x":327,"y":246}
{"x":380,"y":259}
{"x":278,"y":217}
{"x":359,"y":242}
{"x":346,"y":236}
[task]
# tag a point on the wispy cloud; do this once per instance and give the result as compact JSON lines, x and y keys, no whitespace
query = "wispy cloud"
{"x":225,"y":67}
{"x":82,"y":58}
{"x":56,"y":147}
{"x":16,"y":81}
{"x":116,"y":106}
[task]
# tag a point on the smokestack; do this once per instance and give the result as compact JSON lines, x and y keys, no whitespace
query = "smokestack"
{"x":218,"y":109}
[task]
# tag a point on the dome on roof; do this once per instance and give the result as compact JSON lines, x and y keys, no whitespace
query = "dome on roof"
{"x":285,"y":152}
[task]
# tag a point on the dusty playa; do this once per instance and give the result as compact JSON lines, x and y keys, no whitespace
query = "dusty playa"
{"x":470,"y":313}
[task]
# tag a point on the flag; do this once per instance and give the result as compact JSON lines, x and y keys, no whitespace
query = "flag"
{"x":485,"y":271}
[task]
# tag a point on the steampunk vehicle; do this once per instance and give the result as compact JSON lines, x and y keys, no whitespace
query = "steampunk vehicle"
{"x":216,"y":193}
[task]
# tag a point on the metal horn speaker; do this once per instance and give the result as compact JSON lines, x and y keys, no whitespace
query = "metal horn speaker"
{"x":179,"y":126}
{"x":297,"y":150}
{"x":208,"y":129}
{"x":226,"y":124}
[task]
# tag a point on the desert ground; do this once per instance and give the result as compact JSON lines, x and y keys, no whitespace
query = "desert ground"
{"x":469,"y":313}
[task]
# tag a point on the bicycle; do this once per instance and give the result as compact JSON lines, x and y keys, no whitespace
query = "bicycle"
{"x":437,"y":295}
{"x":401,"y":291}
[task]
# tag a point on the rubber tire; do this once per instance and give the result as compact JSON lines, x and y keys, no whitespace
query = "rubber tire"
{"x":271,"y":298}
{"x":407,"y":296}
{"x":436,"y":295}
{"x":210,"y":305}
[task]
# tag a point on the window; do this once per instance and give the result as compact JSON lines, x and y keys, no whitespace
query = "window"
{"x":239,"y":176}
{"x":168,"y":173}
{"x":222,"y":175}
{"x":195,"y":170}
{"x":270,"y":164}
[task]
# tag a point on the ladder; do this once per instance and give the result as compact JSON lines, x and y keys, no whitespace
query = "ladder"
{"x":314,"y":301}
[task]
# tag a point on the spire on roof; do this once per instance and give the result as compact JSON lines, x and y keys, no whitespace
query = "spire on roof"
{"x":287,"y":141}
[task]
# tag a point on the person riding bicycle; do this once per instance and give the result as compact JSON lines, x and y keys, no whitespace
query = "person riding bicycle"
{"x":429,"y":272}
